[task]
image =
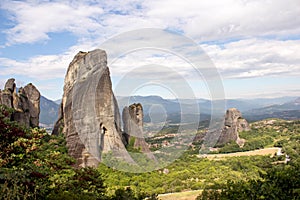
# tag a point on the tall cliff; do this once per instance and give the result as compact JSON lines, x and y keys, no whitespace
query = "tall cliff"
{"x":89,"y":111}
{"x":25,"y":102}
{"x":233,"y":124}
{"x":133,"y":128}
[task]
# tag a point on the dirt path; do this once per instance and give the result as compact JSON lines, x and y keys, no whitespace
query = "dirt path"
{"x":260,"y":152}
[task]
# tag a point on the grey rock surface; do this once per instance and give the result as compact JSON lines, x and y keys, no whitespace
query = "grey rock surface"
{"x":133,"y":128}
{"x":233,"y":124}
{"x":89,"y":114}
{"x":26,"y":103}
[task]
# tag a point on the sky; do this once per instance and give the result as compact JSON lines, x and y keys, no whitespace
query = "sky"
{"x":253,"y":44}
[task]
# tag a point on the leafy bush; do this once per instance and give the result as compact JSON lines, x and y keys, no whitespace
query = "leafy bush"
{"x":230,"y":148}
{"x":35,"y":165}
{"x":281,"y":182}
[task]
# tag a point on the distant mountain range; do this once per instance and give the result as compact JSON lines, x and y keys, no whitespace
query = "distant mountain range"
{"x":159,"y":109}
{"x":49,"y":112}
{"x":289,"y":110}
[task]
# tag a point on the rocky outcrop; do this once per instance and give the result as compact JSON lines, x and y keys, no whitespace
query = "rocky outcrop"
{"x":133,"y":123}
{"x":233,"y":124}
{"x":133,"y":128}
{"x":26,"y":103}
{"x":89,"y":111}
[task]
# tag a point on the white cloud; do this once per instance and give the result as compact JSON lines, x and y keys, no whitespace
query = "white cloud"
{"x":201,"y":20}
{"x":43,"y":67}
{"x":34,"y":19}
{"x":256,"y":57}
{"x":38,"y":67}
{"x":255,"y":26}
{"x":241,"y":59}
{"x":214,"y":20}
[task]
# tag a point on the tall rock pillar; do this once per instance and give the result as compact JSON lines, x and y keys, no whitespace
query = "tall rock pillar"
{"x":89,"y":111}
{"x":133,"y":128}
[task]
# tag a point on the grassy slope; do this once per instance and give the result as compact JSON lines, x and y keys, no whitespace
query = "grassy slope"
{"x":193,"y":173}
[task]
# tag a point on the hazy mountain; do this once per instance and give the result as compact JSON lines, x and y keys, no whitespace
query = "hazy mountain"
{"x":263,"y":102}
{"x":288,"y":110}
{"x":58,"y":101}
{"x":159,"y":109}
{"x":249,"y":104}
{"x":49,"y":111}
{"x":252,"y":109}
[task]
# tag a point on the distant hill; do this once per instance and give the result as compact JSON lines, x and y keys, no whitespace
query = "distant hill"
{"x":249,"y":104}
{"x":263,"y":102}
{"x":58,"y":101}
{"x":289,"y":111}
{"x":49,"y":112}
{"x":159,"y":109}
{"x":252,"y":109}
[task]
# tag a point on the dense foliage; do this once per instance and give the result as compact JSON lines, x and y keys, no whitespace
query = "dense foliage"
{"x":35,"y":165}
{"x":191,"y":172}
{"x":281,"y":181}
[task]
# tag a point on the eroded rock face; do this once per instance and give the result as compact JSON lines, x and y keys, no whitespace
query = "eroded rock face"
{"x":33,"y":97}
{"x":26,"y":103}
{"x":89,"y":111}
{"x":233,"y":124}
{"x":133,"y":128}
{"x":133,"y":124}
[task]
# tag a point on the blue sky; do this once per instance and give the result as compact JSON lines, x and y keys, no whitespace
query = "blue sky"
{"x":253,"y":44}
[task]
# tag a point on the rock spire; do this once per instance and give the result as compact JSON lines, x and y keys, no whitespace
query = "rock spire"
{"x":25,"y":102}
{"x":89,"y":113}
{"x":233,"y":124}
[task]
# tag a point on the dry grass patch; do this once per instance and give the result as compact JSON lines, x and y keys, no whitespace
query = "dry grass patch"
{"x":260,"y":152}
{"x":187,"y":195}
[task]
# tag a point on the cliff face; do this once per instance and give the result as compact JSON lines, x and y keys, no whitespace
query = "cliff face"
{"x":133,"y":128}
{"x":26,"y":103}
{"x":133,"y":123}
{"x":233,"y":124}
{"x":89,"y":111}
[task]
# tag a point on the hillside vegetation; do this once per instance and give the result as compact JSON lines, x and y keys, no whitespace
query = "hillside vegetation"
{"x":191,"y":172}
{"x":35,"y":165}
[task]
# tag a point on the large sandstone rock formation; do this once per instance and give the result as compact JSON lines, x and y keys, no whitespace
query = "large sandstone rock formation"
{"x":89,"y":111}
{"x":132,"y":117}
{"x":233,"y":124}
{"x":26,"y":103}
{"x":133,"y":128}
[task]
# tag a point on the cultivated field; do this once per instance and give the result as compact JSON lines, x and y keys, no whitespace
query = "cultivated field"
{"x":260,"y":152}
{"x":188,"y":195}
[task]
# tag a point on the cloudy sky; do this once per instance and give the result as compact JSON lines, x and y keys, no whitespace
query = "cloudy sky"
{"x":254,"y":44}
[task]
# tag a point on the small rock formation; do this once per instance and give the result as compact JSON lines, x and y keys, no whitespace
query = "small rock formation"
{"x":89,"y":111}
{"x":133,"y":123}
{"x":26,"y":103}
{"x":233,"y":124}
{"x":133,"y":128}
